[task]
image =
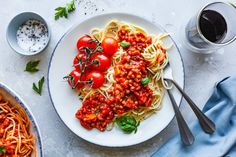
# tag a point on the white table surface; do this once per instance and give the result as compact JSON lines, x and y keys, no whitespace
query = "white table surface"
{"x":202,"y":71}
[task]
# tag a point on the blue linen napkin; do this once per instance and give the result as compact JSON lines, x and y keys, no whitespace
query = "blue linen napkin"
{"x":221,"y":109}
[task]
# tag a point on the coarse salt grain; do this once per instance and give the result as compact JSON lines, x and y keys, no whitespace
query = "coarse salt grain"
{"x":32,"y":36}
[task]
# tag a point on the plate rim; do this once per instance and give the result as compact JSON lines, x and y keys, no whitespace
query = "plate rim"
{"x":29,"y":113}
{"x":96,"y":16}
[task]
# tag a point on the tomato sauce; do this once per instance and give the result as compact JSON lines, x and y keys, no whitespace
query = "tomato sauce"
{"x":127,"y":93}
{"x":138,"y":40}
{"x":9,"y":147}
{"x":95,"y":113}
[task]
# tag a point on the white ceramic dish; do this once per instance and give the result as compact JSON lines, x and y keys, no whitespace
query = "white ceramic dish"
{"x":9,"y":95}
{"x":66,"y":102}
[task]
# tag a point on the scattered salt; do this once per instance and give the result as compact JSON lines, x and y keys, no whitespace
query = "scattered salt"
{"x":206,"y":59}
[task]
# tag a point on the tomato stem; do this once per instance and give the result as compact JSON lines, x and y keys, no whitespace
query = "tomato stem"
{"x":89,"y":52}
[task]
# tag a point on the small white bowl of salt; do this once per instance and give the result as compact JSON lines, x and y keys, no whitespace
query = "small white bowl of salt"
{"x":28,"y":33}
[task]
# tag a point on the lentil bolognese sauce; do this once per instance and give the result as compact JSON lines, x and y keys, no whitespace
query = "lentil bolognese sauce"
{"x":118,"y":75}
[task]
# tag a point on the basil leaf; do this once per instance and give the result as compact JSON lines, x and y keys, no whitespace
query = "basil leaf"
{"x":124,"y":44}
{"x":40,"y":86}
{"x":2,"y":150}
{"x":127,"y":123}
{"x":145,"y":81}
{"x":97,"y":111}
{"x":31,"y":66}
{"x":128,"y":128}
{"x":131,"y":120}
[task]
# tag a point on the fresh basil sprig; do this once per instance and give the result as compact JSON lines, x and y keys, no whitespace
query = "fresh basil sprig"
{"x":63,"y":11}
{"x":124,"y":44}
{"x":31,"y":66}
{"x":145,"y":81}
{"x":40,"y":86}
{"x":127,"y":123}
{"x":2,"y":150}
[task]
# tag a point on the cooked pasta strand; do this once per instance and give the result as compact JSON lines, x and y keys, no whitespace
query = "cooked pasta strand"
{"x":15,"y":130}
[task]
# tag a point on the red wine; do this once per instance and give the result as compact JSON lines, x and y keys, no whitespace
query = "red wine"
{"x":213,"y":26}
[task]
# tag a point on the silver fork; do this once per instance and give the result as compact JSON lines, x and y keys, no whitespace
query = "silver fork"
{"x":185,"y":133}
{"x":207,"y":125}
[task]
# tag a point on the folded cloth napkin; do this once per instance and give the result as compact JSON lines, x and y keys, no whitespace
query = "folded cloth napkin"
{"x":221,"y":109}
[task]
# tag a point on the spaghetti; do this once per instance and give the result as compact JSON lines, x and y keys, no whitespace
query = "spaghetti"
{"x":126,"y":94}
{"x":15,"y":137}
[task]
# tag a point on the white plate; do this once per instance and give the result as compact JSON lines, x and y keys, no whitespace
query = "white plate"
{"x":66,"y":102}
{"x":9,"y":95}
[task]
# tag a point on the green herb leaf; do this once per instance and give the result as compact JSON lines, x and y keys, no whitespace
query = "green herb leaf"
{"x":40,"y":86}
{"x":127,"y":123}
{"x":60,"y":12}
{"x":31,"y":66}
{"x":137,"y":127}
{"x":71,"y":6}
{"x":63,"y":11}
{"x":96,"y":111}
{"x":2,"y":150}
{"x":145,"y":81}
{"x":124,"y":44}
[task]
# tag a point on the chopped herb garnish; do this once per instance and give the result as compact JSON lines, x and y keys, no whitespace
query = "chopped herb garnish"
{"x":31,"y":66}
{"x":124,"y":44}
{"x":127,"y":123}
{"x":96,"y":111}
{"x":40,"y":86}
{"x":63,"y":11}
{"x":2,"y":150}
{"x":71,"y":6}
{"x":145,"y":81}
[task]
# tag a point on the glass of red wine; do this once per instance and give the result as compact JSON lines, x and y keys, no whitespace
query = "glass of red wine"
{"x":212,"y":27}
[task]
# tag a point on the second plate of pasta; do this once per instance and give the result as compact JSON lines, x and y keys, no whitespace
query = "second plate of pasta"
{"x":105,"y":79}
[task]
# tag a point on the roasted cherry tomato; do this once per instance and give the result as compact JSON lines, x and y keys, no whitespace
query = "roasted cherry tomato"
{"x":101,"y":62}
{"x":110,"y":46}
{"x":86,"y":41}
{"x":73,"y":78}
{"x":80,"y":56}
{"x":97,"y":78}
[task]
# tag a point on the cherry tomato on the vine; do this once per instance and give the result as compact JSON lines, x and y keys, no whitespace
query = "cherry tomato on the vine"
{"x":101,"y":62}
{"x":96,"y":77}
{"x":110,"y":46}
{"x":81,"y":56}
{"x":74,"y":77}
{"x":86,"y":41}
